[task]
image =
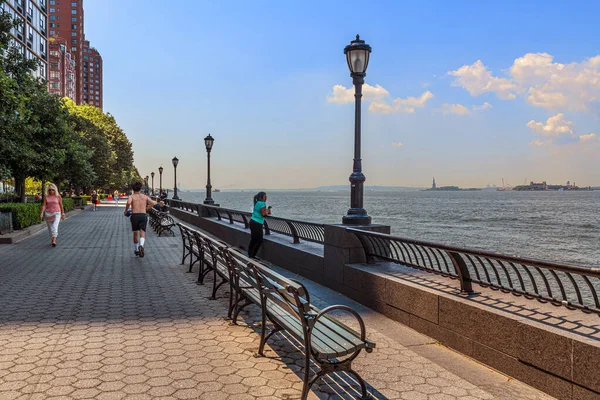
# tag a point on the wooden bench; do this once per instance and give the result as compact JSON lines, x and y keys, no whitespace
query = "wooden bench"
{"x":161,"y":222}
{"x":286,"y":304}
{"x":210,"y":253}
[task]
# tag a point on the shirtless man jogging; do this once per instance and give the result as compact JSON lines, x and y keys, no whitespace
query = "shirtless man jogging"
{"x":138,"y":203}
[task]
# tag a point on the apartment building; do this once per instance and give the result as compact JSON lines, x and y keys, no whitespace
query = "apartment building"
{"x":31,"y":36}
{"x":61,"y":78}
{"x":66,"y":21}
{"x":92,"y":75}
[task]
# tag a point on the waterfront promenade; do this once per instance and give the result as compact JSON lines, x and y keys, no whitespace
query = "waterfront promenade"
{"x":88,"y":320}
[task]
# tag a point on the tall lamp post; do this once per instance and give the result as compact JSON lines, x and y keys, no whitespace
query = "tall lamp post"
{"x":175,"y":162}
{"x":152,"y":175}
{"x":146,"y":179}
{"x":160,"y":170}
{"x":357,"y":55}
{"x":208,"y":143}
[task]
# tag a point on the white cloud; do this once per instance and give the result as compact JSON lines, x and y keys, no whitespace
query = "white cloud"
{"x":380,"y":107}
{"x":376,"y":95}
{"x":554,"y":127}
{"x":457,"y":109}
{"x":589,"y":137}
{"x":478,"y":80}
{"x":482,"y":107}
{"x":539,"y":143}
{"x":397,"y":144}
{"x":407,"y":105}
{"x":559,"y":131}
{"x":341,"y":94}
{"x":544,"y":82}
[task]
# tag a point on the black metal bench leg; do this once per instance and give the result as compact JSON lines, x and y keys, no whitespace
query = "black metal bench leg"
{"x":308,"y":383}
{"x":183,"y":255}
{"x":200,"y":280}
{"x":216,"y":287}
{"x":239,"y":308}
{"x":191,"y":265}
{"x":230,"y":310}
{"x":363,"y":387}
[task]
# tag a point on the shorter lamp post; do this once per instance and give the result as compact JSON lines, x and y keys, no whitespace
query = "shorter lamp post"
{"x":160,"y":170}
{"x":146,"y":179}
{"x":208,"y":142}
{"x":357,"y":55}
{"x":152,"y":175}
{"x":175,"y":162}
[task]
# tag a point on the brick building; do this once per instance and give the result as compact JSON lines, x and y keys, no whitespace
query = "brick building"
{"x":92,"y":75}
{"x":61,"y":79}
{"x":31,"y":36}
{"x":66,"y":21}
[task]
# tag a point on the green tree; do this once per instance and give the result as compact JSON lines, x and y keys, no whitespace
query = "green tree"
{"x":121,"y":158}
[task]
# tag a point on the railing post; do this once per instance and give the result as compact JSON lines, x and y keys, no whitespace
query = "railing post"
{"x":294,"y":232}
{"x":230,"y":216}
{"x":462,"y":271}
{"x":245,"y":221}
{"x":218,"y":214}
{"x":267,"y":230}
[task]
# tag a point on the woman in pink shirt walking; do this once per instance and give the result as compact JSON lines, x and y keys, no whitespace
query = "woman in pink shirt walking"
{"x":52,"y":211}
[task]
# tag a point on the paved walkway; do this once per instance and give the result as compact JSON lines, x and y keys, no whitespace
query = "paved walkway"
{"x":88,"y":320}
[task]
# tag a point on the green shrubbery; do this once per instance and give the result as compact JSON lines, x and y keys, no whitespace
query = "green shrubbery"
{"x":28,"y":214}
{"x":84,"y":199}
{"x":23,"y":214}
{"x":68,"y":204}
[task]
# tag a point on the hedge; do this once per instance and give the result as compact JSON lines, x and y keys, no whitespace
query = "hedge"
{"x":23,"y":214}
{"x":84,"y":199}
{"x":28,"y":214}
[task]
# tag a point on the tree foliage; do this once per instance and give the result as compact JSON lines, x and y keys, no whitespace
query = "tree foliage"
{"x":52,"y":139}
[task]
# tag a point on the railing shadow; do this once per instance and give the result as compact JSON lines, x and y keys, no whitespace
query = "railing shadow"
{"x":508,"y":303}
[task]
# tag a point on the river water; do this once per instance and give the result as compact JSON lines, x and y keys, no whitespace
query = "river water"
{"x":554,"y":226}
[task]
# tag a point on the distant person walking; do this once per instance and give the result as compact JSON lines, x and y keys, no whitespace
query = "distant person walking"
{"x":139,"y":204}
{"x":116,"y":197}
{"x":259,"y":212}
{"x":52,"y":211}
{"x":94,"y":200}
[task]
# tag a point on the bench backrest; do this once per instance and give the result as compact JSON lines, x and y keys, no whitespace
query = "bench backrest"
{"x":276,"y":289}
{"x":215,"y":248}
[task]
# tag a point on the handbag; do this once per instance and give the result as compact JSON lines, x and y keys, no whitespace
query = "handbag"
{"x":49,"y":217}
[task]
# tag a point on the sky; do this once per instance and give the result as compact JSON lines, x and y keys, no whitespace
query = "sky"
{"x":468,"y":92}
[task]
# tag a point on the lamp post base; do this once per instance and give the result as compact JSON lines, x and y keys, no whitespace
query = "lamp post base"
{"x":175,"y":198}
{"x":209,"y":201}
{"x":356,"y":216}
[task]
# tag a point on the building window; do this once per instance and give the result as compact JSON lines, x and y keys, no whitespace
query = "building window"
{"x":52,"y":18}
{"x":73,"y":41}
{"x":73,"y":4}
{"x":52,"y":2}
{"x":74,"y":12}
{"x":73,"y":19}
{"x":73,"y":48}
{"x":52,"y":25}
{"x":74,"y":27}
{"x":52,"y":33}
{"x":52,"y":10}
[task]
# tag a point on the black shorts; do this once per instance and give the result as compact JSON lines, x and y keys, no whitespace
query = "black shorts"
{"x":139,"y":222}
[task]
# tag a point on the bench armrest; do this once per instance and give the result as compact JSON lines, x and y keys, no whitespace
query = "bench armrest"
{"x":349,"y":310}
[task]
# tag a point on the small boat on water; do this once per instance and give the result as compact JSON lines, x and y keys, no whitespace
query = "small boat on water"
{"x":216,"y":191}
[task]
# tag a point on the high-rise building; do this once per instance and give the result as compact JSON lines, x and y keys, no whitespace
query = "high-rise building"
{"x":92,"y":75}
{"x":66,"y":21}
{"x":31,"y":36}
{"x":61,"y":78}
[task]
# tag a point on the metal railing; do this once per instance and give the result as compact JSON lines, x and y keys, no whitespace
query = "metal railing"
{"x":298,"y":230}
{"x":572,"y":286}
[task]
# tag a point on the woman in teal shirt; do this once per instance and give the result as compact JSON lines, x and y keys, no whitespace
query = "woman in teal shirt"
{"x":259,"y":213}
